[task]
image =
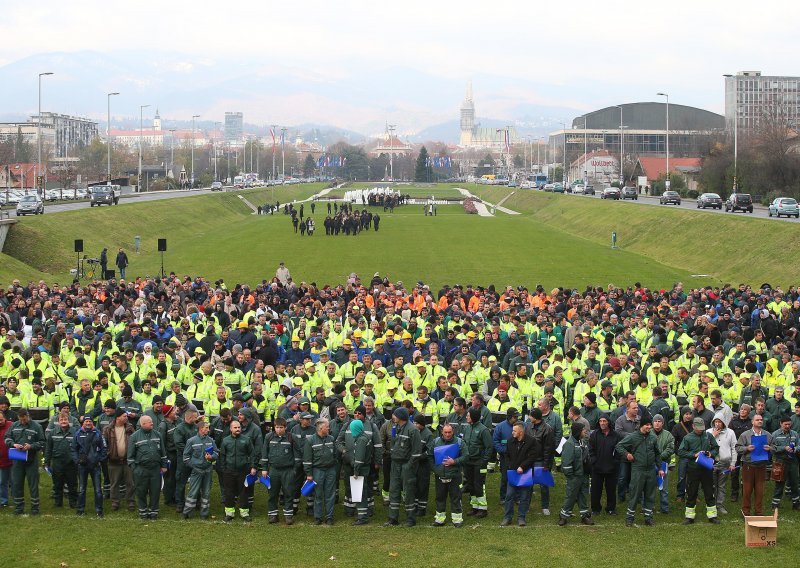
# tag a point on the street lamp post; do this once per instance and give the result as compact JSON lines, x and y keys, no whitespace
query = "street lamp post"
{"x":283,"y":151}
{"x":141,"y":128}
{"x":564,"y":157}
{"x":735,"y":132}
{"x":391,"y":151}
{"x":214,"y":142}
{"x":39,"y":136}
{"x":108,"y":136}
{"x":193,"y":117}
{"x":666,"y":182}
{"x":585,"y":151}
{"x":172,"y":152}
{"x":621,"y":147}
{"x":272,"y":131}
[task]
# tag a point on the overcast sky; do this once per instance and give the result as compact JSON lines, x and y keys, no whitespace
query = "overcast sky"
{"x":580,"y":54}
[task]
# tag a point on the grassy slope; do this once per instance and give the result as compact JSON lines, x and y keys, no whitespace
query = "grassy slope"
{"x":217,"y":236}
{"x":191,"y":542}
{"x":730,"y":248}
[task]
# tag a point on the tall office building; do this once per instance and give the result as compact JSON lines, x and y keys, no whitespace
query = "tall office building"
{"x":234,"y":123}
{"x":755,"y":98}
{"x":71,"y":132}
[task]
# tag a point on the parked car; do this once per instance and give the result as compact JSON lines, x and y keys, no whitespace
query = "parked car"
{"x":706,"y":200}
{"x":548,"y":186}
{"x":30,"y":205}
{"x":558,"y":187}
{"x":588,"y":190}
{"x":672,"y":197}
{"x":784,"y":206}
{"x":216,"y":186}
{"x":610,"y":193}
{"x":629,"y":192}
{"x":739,"y":202}
{"x":578,"y":189}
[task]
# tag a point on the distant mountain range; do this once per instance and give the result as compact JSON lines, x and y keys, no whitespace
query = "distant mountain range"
{"x":350,"y":105}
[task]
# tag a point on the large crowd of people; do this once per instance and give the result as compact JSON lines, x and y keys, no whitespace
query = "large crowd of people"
{"x":368,"y":393}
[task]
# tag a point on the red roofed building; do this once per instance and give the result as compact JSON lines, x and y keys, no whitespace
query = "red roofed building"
{"x":17,"y":176}
{"x":653,"y":168}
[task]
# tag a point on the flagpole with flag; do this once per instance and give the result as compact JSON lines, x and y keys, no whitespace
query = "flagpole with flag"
{"x":272,"y":133}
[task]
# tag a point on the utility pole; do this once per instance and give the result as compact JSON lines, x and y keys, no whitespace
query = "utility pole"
{"x":38,"y":169}
{"x":666,"y":183}
{"x":193,"y":117}
{"x":141,"y":128}
{"x":391,"y":128}
{"x":272,"y":132}
{"x":283,"y":151}
{"x":172,"y":152}
{"x":108,"y":136}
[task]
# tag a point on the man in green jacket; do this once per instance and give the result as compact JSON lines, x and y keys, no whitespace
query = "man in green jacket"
{"x":358,"y":457}
{"x":199,"y":454}
{"x":319,"y":465}
{"x":277,"y":461}
{"x":697,"y":442}
{"x":406,"y":451}
{"x":148,"y":459}
{"x":665,"y":446}
{"x":572,"y":460}
{"x":27,"y":436}
{"x":478,"y":440}
{"x":58,"y":457}
{"x":448,"y":478}
{"x":239,"y":459}
{"x":186,"y":429}
{"x":785,"y":441}
{"x":424,"y":468}
{"x":639,"y":448}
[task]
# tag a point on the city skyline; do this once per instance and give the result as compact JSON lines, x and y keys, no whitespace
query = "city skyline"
{"x":361,"y":65}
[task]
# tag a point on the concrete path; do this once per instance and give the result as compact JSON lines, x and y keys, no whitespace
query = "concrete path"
{"x":479,"y":205}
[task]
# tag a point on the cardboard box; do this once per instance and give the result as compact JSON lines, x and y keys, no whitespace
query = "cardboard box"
{"x":761,"y":531}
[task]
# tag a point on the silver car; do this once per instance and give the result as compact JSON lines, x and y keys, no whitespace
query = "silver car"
{"x":30,"y":205}
{"x":784,"y":206}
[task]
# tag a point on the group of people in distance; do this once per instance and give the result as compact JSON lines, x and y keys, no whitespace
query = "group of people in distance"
{"x":373,"y":390}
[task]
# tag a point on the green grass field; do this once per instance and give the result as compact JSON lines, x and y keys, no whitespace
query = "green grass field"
{"x":216,"y":235}
{"x":57,"y":537}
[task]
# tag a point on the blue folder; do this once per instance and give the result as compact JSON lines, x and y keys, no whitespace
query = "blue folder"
{"x":265,"y":481}
{"x":210,"y":450}
{"x":705,"y":461}
{"x":660,"y":480}
{"x":524,"y":479}
{"x":308,"y":488}
{"x":442,"y":452}
{"x":542,"y":476}
{"x":757,"y":455}
{"x":249,"y":480}
{"x":17,"y":455}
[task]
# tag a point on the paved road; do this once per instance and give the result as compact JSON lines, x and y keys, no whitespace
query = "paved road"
{"x":759,"y":211}
{"x":132,"y":198}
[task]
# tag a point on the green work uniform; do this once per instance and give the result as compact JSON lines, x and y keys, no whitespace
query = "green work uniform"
{"x":146,"y":457}
{"x":643,"y":472}
{"x":33,"y":435}
{"x":405,"y":453}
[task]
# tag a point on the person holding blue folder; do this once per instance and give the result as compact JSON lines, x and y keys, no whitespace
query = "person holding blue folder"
{"x":696,"y":445}
{"x":448,"y":459}
{"x":575,"y":469}
{"x":27,"y":436}
{"x":754,"y":446}
{"x":199,"y":455}
{"x":519,"y":458}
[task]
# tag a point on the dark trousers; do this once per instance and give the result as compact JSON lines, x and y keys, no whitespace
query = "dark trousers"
{"x":169,"y":480}
{"x":182,"y":473}
{"x":423,"y":487}
{"x":695,"y":478}
{"x":235,"y":490}
{"x":503,"y":477}
{"x":401,"y":489}
{"x":84,"y":473}
{"x":474,"y":481}
{"x":65,"y":473}
{"x":148,"y":490}
{"x":20,"y":472}
{"x":387,"y":474}
{"x":609,"y":482}
{"x":281,"y":481}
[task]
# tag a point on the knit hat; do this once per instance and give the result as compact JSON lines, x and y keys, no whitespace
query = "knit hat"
{"x":356,"y":428}
{"x":110,"y":403}
{"x":658,"y":418}
{"x":157,"y":398}
{"x":119,"y":412}
{"x":645,"y":420}
{"x":536,"y":413}
{"x":577,"y":430}
{"x":127,"y":391}
{"x":401,"y":413}
{"x":166,"y":409}
{"x":591,"y":397}
{"x":180,"y":400}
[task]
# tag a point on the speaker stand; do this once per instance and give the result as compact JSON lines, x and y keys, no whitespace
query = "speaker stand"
{"x":162,"y":266}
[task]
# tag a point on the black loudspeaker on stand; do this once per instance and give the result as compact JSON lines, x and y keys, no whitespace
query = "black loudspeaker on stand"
{"x":162,"y":248}
{"x":78,"y":251}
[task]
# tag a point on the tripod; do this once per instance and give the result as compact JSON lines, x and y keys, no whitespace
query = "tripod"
{"x":163,"y":275}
